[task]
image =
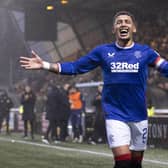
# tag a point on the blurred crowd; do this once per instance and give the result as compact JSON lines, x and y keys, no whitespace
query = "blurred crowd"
{"x":64,"y":108}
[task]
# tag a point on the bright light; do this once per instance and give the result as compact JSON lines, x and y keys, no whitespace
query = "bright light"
{"x":64,"y":2}
{"x":49,"y":7}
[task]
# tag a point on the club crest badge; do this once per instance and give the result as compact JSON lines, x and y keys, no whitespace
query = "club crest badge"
{"x":138,"y":54}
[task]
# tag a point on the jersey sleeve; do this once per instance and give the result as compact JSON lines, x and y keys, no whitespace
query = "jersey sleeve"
{"x":162,"y":66}
{"x":160,"y":63}
{"x":152,"y":56}
{"x":82,"y":65}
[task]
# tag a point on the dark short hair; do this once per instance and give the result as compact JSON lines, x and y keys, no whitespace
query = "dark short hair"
{"x":124,"y":13}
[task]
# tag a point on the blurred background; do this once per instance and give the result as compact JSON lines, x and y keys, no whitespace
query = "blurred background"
{"x":64,"y":30}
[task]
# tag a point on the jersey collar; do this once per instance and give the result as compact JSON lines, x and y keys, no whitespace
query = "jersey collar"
{"x":132,"y":45}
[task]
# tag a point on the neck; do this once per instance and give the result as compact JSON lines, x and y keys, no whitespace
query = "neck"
{"x":125,"y":43}
{"x":124,"y":46}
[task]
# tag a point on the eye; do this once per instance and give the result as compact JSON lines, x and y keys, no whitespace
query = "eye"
{"x":118,"y":22}
{"x":128,"y":21}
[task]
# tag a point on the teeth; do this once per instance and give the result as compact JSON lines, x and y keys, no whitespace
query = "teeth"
{"x":124,"y":31}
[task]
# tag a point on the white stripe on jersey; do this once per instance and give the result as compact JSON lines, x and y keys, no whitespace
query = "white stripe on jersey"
{"x":159,"y":61}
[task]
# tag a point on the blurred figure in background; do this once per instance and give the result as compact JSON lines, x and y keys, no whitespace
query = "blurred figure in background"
{"x":5,"y":105}
{"x":28,"y":101}
{"x":76,"y":107}
{"x":99,"y":134}
{"x":40,"y":106}
{"x":53,"y":115}
{"x":64,"y":111}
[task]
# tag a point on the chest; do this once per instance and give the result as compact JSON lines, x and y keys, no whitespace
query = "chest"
{"x":128,"y":61}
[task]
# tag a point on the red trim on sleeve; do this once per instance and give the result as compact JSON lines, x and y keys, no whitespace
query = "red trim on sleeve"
{"x":157,"y":60}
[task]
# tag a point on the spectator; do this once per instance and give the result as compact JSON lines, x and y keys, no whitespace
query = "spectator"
{"x":99,"y":135}
{"x":39,"y":110}
{"x":76,"y":107}
{"x":53,"y":115}
{"x":64,"y":111}
{"x":28,"y":101}
{"x":5,"y":105}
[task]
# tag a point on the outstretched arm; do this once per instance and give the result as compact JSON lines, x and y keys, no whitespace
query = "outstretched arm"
{"x":81,"y":65}
{"x":35,"y":62}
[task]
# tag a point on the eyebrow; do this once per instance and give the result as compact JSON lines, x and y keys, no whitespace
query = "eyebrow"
{"x":126,"y":19}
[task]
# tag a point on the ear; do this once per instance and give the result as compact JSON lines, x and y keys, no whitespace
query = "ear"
{"x":134,"y":29}
{"x":113,"y":30}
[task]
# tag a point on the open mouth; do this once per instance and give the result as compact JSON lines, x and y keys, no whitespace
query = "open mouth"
{"x":123,"y":31}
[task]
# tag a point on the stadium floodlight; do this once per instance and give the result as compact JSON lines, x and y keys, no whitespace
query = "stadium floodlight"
{"x":49,"y":7}
{"x":64,"y":2}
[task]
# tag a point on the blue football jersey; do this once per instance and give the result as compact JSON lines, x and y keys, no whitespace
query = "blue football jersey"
{"x":125,"y":72}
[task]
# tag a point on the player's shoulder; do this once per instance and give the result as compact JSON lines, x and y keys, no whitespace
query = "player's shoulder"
{"x":142,"y":47}
{"x":146,"y":49}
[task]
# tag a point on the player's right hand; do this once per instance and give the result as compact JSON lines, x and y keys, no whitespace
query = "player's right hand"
{"x":35,"y":62}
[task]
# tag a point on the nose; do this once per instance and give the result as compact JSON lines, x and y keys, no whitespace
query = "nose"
{"x":123,"y":23}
